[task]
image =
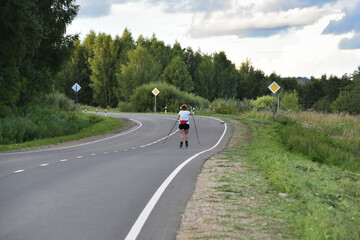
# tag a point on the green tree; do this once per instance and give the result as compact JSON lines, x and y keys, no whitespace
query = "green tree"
{"x":225,"y":76}
{"x":204,"y":75}
{"x":141,"y":69}
{"x":349,"y":99}
{"x":33,"y":46}
{"x":160,"y":52}
{"x":176,"y":73}
{"x":103,"y":63}
{"x":76,"y":70}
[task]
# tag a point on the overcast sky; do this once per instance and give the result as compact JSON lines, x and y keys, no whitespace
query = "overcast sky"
{"x":288,"y":37}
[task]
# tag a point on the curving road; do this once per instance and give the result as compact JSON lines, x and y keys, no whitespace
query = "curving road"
{"x":128,"y":186}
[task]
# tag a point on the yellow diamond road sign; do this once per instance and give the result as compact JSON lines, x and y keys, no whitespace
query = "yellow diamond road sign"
{"x":155,"y":91}
{"x":274,"y":87}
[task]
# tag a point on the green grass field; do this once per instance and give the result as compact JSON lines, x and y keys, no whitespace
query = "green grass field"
{"x":322,"y":199}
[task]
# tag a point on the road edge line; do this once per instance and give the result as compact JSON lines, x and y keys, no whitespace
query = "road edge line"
{"x":139,"y":223}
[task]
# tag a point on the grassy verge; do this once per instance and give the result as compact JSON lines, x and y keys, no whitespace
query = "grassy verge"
{"x":102,"y":125}
{"x":258,"y":189}
{"x":323,"y":201}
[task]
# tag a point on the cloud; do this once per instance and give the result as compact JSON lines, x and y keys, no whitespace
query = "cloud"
{"x":247,"y":21}
{"x":349,"y":23}
{"x":96,"y":8}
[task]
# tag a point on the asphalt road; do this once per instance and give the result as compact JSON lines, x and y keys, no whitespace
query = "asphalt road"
{"x":129,"y":186}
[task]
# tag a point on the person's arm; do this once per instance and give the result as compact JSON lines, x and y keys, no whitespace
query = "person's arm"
{"x":191,"y":111}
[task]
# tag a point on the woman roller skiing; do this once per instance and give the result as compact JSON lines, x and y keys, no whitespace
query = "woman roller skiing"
{"x":184,"y":124}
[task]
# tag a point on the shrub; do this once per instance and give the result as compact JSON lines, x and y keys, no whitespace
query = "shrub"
{"x":143,"y":100}
{"x":290,"y":101}
{"x":125,"y":107}
{"x":39,"y":123}
{"x":263,"y":103}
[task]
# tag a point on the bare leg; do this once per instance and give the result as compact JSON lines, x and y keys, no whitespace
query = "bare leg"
{"x":186,"y":134}
{"x":182,"y":135}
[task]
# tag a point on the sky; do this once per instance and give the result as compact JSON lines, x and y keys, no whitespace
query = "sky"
{"x":292,"y":38}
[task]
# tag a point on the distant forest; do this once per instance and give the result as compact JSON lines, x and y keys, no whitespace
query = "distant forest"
{"x":36,"y":55}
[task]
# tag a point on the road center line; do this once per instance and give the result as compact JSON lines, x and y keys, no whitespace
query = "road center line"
{"x":19,"y":171}
{"x":136,"y":228}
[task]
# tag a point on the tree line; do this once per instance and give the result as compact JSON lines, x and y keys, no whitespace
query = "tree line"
{"x":110,"y":69}
{"x":33,"y":45}
{"x":35,"y":54}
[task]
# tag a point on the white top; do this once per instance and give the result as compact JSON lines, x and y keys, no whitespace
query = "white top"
{"x":184,"y":115}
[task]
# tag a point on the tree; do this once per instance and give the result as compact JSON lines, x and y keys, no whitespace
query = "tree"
{"x":141,"y":69}
{"x":160,"y":52}
{"x":204,"y":75}
{"x":76,"y":70}
{"x":225,"y":76}
{"x":103,"y":63}
{"x":176,"y":73}
{"x":33,"y":46}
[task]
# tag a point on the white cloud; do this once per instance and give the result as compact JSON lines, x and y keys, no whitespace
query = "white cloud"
{"x":253,"y":24}
{"x":285,"y":38}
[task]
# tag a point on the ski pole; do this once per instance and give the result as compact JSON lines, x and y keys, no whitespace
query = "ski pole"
{"x":172,"y":128}
{"x":195,"y":127}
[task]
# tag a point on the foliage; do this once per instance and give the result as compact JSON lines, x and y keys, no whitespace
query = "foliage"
{"x":103,"y":63}
{"x":263,"y":103}
{"x":229,"y":106}
{"x":348,"y":100}
{"x":322,"y":202}
{"x":290,"y":101}
{"x":141,"y":69}
{"x":176,"y":73}
{"x":321,"y":148}
{"x":38,"y":123}
{"x":33,"y":45}
{"x":143,"y":100}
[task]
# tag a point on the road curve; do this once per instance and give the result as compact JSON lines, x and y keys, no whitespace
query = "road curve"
{"x":128,"y":186}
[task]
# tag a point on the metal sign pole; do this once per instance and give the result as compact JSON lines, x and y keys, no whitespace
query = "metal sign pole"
{"x":274,"y":107}
{"x":76,"y":95}
{"x":155,"y":104}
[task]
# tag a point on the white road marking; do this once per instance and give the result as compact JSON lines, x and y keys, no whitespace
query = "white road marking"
{"x":105,"y":152}
{"x":43,"y":165}
{"x":79,"y":156}
{"x":133,"y":148}
{"x":93,"y":154}
{"x":63,"y":160}
{"x":116,"y":151}
{"x":19,"y":171}
{"x":136,"y":228}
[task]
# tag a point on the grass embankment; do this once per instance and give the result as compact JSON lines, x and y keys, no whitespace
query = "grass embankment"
{"x":265,"y":189}
{"x":91,"y":125}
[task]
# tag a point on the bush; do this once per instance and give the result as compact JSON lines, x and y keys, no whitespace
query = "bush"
{"x":230,"y":106}
{"x":143,"y":100}
{"x":290,"y":101}
{"x":125,"y":107}
{"x":39,"y":123}
{"x":263,"y":103}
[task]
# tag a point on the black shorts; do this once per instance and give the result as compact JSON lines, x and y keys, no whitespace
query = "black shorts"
{"x":184,"y":126}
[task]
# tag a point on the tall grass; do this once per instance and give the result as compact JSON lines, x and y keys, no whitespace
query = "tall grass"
{"x":323,"y":201}
{"x":332,"y":139}
{"x":43,"y":118}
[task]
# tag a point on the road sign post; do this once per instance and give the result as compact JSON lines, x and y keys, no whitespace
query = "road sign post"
{"x":274,"y":87}
{"x":155,"y":91}
{"x":76,"y":88}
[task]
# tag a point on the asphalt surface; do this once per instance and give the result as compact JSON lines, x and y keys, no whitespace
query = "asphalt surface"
{"x":128,"y":186}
